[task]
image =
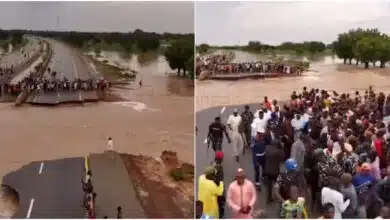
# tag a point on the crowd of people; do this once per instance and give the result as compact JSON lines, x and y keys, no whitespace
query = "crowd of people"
{"x":49,"y":84}
{"x":335,"y":149}
{"x":256,"y":67}
{"x":89,"y":196}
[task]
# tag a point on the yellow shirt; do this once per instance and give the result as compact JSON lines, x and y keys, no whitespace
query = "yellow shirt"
{"x":207,"y":193}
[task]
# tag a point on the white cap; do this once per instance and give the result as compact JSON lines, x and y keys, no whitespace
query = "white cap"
{"x":260,"y":130}
{"x":348,"y":147}
{"x":235,"y":110}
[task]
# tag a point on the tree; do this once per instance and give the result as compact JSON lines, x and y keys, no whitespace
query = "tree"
{"x":203,"y":48}
{"x":190,"y":67}
{"x":178,"y":54}
{"x":363,"y":45}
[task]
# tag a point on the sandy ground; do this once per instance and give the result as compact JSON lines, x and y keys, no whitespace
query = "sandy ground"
{"x":328,"y":73}
{"x":41,"y":133}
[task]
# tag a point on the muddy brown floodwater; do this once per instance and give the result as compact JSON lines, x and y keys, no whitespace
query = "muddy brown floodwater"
{"x":327,"y":73}
{"x":159,"y":116}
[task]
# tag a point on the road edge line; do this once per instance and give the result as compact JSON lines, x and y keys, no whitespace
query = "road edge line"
{"x":30,"y":208}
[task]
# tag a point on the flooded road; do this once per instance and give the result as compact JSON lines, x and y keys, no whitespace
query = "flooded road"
{"x":326,"y":73}
{"x":159,"y":116}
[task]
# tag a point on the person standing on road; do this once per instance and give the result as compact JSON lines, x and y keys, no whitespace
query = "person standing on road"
{"x":208,"y":192}
{"x":241,"y":196}
{"x":215,"y":135}
{"x":298,"y":151}
{"x":247,"y":119}
{"x":258,"y":155}
{"x":233,"y":123}
{"x":219,"y":175}
{"x":274,"y":156}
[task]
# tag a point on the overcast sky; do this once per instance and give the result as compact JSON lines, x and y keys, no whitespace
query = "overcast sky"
{"x":177,"y":17}
{"x":232,"y":23}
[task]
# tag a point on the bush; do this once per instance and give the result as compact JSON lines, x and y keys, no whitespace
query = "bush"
{"x":177,"y":174}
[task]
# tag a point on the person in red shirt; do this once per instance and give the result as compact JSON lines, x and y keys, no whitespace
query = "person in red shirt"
{"x":379,"y":147}
{"x":267,"y":103}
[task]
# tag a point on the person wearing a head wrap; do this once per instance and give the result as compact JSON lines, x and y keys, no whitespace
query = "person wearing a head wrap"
{"x":208,"y":192}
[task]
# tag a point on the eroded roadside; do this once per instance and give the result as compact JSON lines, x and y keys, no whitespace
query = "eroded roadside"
{"x":164,"y":185}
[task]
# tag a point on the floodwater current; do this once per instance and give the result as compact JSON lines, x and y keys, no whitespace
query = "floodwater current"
{"x":327,"y":73}
{"x":158,"y":116}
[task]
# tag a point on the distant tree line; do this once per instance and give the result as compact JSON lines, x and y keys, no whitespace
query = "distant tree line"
{"x":364,"y":46}
{"x":311,"y":47}
{"x":139,"y":40}
{"x":14,"y":38}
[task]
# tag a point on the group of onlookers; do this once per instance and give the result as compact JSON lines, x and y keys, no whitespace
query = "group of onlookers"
{"x":256,"y":67}
{"x":336,"y":154}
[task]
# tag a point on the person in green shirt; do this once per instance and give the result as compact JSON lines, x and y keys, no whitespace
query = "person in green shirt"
{"x":293,"y":208}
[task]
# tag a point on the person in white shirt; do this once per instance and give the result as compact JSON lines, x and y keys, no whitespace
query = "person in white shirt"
{"x":260,"y":122}
{"x":298,"y":124}
{"x":233,"y":123}
{"x":334,"y":197}
{"x":110,"y":144}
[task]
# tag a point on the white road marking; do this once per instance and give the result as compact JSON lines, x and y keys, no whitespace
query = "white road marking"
{"x":205,"y":140}
{"x":223,"y":109}
{"x":40,"y":169}
{"x":30,"y":208}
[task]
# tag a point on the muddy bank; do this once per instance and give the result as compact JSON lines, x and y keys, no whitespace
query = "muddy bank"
{"x":164,"y":185}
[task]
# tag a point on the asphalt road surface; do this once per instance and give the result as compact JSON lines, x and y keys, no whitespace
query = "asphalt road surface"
{"x":49,"y":189}
{"x":204,"y":157}
{"x":68,"y":64}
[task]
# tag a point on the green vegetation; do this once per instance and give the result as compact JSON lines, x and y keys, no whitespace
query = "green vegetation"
{"x":14,"y":38}
{"x":364,"y":46}
{"x":180,"y":56}
{"x":309,"y":48}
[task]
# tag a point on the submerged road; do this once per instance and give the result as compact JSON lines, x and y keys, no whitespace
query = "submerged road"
{"x":49,"y":189}
{"x":68,"y":64}
{"x":204,"y":157}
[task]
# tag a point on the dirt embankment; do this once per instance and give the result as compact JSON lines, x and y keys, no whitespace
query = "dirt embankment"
{"x":164,"y":186}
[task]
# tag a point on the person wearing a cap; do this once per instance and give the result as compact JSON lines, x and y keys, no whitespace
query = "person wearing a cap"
{"x":349,"y":160}
{"x":208,"y":192}
{"x":259,"y":144}
{"x":241,"y":196}
{"x":233,"y":123}
{"x":364,"y":182}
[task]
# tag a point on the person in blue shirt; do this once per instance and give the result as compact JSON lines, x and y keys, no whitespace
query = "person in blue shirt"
{"x":259,"y":143}
{"x":364,"y":184}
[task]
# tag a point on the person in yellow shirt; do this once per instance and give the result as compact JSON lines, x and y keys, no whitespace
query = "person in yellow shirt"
{"x":208,"y":192}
